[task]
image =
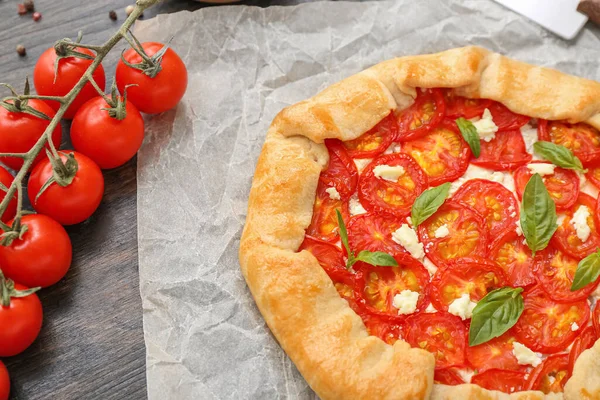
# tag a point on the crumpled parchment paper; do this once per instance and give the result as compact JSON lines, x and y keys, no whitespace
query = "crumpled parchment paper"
{"x":204,"y":335}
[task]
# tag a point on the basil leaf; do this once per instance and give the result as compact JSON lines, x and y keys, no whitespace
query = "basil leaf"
{"x":558,"y":155}
{"x":469,"y":133}
{"x":538,"y":214}
{"x":496,"y":313}
{"x":588,"y":271}
{"x":377,"y":258}
{"x":343,"y":231}
{"x":428,"y":203}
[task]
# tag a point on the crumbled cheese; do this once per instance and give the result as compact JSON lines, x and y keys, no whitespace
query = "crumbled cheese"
{"x":579,"y":222}
{"x":361,"y":163}
{"x":430,"y":309}
{"x":530,"y":136}
{"x":409,"y":220}
{"x":429,"y":266}
{"x":462,"y":307}
{"x":355,"y":207}
{"x":442,"y":231}
{"x":388,"y":172}
{"x":475,"y":172}
{"x":465,"y":374}
{"x":560,"y":218}
{"x":518,"y":229}
{"x":406,"y":302}
{"x":513,"y":213}
{"x":407,"y":237}
{"x":526,"y":356}
{"x":486,"y":128}
{"x":542,"y":169}
{"x":551,"y":379}
{"x":574,"y":326}
{"x":333,"y":193}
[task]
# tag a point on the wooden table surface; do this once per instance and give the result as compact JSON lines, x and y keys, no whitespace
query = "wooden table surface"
{"x":91,"y":345}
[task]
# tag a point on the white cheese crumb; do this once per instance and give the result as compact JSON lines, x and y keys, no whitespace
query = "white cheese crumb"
{"x":465,"y":374}
{"x":486,"y":128}
{"x":429,"y":266}
{"x":407,"y":237}
{"x":462,"y":307}
{"x":475,"y":172}
{"x":513,"y":214}
{"x":361,"y":163}
{"x":560,"y":218}
{"x":409,"y":220}
{"x":551,"y":379}
{"x":388,"y":172}
{"x":333,"y":193}
{"x":526,"y":356}
{"x":518,"y":229}
{"x":574,"y":326}
{"x":442,"y":231}
{"x":530,"y":136}
{"x":355,"y":207}
{"x":579,"y":222}
{"x":542,"y":169}
{"x":430,"y":309}
{"x":406,"y":302}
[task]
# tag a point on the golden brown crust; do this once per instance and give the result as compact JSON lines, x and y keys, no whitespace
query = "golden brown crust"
{"x":326,"y":340}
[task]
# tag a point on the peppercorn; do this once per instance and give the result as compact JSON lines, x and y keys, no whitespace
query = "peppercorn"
{"x":129,"y":9}
{"x":29,"y":6}
{"x":21,"y":50}
{"x":21,"y":10}
{"x":37,"y":16}
{"x":112,"y":14}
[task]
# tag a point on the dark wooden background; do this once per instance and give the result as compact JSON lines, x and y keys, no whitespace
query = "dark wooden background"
{"x":91,"y":345}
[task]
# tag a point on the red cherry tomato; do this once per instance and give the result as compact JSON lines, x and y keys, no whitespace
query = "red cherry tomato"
{"x":458,"y":106}
{"x":158,"y":94}
{"x":562,"y":185}
{"x":21,"y":322}
{"x":423,"y":115}
{"x":496,"y":353}
{"x":341,"y":171}
{"x":324,"y":223}
{"x":506,"y":151}
{"x":447,"y":376}
{"x":73,"y":203}
{"x":109,"y":142}
{"x":70,"y":71}
{"x":586,"y":340}
{"x":375,"y":141}
{"x":551,"y":375}
{"x":6,"y":179}
{"x":565,"y":238}
{"x":373,"y":232}
{"x":502,"y":380}
{"x":505,"y":119}
{"x":514,"y":257}
{"x":329,"y":256}
{"x":4,"y":382}
{"x":19,"y":131}
{"x":41,"y":257}
{"x":582,"y":139}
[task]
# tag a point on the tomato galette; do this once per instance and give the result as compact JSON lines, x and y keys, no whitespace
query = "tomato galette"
{"x":430,"y":228}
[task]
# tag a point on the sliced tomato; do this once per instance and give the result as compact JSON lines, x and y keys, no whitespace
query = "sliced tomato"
{"x":565,"y":238}
{"x":586,"y":340}
{"x":493,"y":201}
{"x":388,"y":331}
{"x":447,"y":376}
{"x":345,"y":287}
{"x":582,"y":139}
{"x":377,"y":286}
{"x":324,"y":223}
{"x":593,"y":175}
{"x":329,"y":256}
{"x":502,"y":380}
{"x":514,"y":257}
{"x":505,"y":119}
{"x":545,"y":325}
{"x":458,"y":106}
{"x":423,"y":115}
{"x":442,"y":153}
{"x":596,"y":318}
{"x":373,"y":232}
{"x":496,"y":353}
{"x":396,"y":198}
{"x":505,"y":152}
{"x":467,"y":233}
{"x":551,"y":375}
{"x":464,"y":276}
{"x":555,"y":271}
{"x":562,"y":185}
{"x":375,"y":141}
{"x":341,"y":171}
{"x":442,"y":334}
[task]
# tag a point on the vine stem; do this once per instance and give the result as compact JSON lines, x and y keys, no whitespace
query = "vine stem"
{"x":66,"y":100}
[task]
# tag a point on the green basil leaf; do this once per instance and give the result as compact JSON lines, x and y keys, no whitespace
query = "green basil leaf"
{"x":469,"y":133}
{"x":496,"y":313}
{"x":558,"y":155}
{"x":377,"y":258}
{"x":588,"y":271}
{"x":344,"y":238}
{"x":428,"y":203}
{"x":538,"y":214}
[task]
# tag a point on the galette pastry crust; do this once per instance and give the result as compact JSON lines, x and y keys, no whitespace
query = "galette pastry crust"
{"x":325,"y":339}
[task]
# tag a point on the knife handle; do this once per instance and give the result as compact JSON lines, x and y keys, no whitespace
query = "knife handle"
{"x":591,"y":8}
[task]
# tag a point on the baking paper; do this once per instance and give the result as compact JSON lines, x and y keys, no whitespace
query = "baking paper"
{"x":204,"y":335}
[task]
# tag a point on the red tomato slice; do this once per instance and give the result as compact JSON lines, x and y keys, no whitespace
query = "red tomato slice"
{"x":563,"y":185}
{"x":341,"y":171}
{"x":373,"y":232}
{"x":329,"y":256}
{"x":396,"y":198}
{"x":377,"y":286}
{"x":502,"y":380}
{"x":458,"y":106}
{"x":388,"y":331}
{"x":596,"y":318}
{"x":496,"y":353}
{"x":375,"y":141}
{"x":565,"y":238}
{"x":593,"y":175}
{"x":586,"y":340}
{"x":442,"y":334}
{"x":514,"y":257}
{"x":582,"y":139}
{"x":324,"y":224}
{"x":493,"y":201}
{"x":555,"y":271}
{"x":551,"y":375}
{"x":442,"y":153}
{"x":424,"y":114}
{"x":464,"y":276}
{"x":505,"y":119}
{"x":505,"y":152}
{"x":545,"y":325}
{"x":467,"y":235}
{"x":447,"y":376}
